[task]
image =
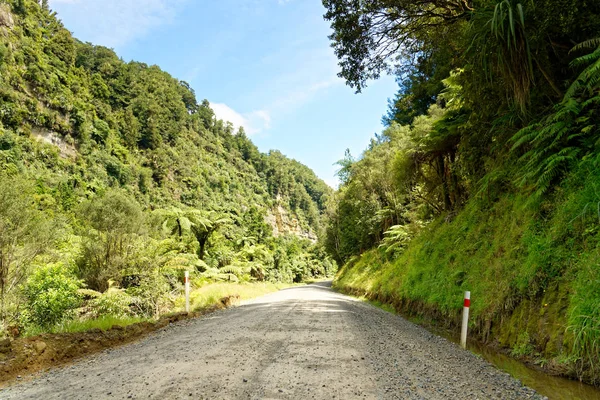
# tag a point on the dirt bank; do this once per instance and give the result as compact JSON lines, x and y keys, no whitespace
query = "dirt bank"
{"x":24,"y":356}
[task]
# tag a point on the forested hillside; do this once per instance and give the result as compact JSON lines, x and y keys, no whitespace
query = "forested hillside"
{"x":114,"y":180}
{"x":487,"y":175}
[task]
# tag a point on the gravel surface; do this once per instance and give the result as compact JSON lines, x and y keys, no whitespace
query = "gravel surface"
{"x":300,"y":343}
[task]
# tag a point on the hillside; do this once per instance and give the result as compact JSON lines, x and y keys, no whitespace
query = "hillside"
{"x":114,"y":179}
{"x":485,"y":178}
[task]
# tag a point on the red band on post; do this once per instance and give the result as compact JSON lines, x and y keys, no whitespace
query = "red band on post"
{"x":467,"y":302}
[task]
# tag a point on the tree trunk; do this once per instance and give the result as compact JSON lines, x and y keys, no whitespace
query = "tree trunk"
{"x":442,"y":174}
{"x":3,"y":279}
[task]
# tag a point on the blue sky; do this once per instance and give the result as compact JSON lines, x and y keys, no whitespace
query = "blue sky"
{"x":263,"y":64}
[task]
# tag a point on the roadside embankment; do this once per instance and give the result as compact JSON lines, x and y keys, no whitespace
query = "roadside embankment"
{"x":533,"y":270}
{"x":27,"y":355}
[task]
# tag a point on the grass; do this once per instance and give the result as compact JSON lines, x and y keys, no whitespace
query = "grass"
{"x":212,"y":293}
{"x":380,"y":305}
{"x":317,"y":280}
{"x":104,"y":323}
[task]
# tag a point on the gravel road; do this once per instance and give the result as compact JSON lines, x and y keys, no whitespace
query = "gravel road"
{"x":299,"y":343}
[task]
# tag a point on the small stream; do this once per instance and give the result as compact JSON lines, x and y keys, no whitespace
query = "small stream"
{"x":553,"y":387}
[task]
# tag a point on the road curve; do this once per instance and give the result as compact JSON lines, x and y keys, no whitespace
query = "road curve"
{"x":299,"y":343}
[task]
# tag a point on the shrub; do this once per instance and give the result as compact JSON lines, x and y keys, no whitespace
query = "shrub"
{"x":114,"y":301}
{"x":52,"y":294}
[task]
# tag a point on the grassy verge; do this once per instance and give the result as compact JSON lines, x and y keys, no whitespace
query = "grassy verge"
{"x":201,"y":298}
{"x":317,"y":280}
{"x":212,"y":294}
{"x":104,"y":323}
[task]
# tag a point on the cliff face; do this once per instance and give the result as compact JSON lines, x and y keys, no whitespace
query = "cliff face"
{"x":284,"y":223}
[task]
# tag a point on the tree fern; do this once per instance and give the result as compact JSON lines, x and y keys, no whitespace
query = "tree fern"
{"x":589,"y":78}
{"x":501,"y":44}
{"x":237,"y":270}
{"x":395,"y":239}
{"x":550,"y":146}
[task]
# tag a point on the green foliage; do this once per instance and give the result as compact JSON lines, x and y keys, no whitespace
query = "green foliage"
{"x":113,"y":302}
{"x":142,"y":178}
{"x":113,"y":223}
{"x":25,"y":233}
{"x":523,"y":346}
{"x":520,"y":268}
{"x":52,"y":295}
{"x":408,"y":175}
{"x":569,"y":134}
{"x":104,"y":323}
{"x":396,"y":238}
{"x":589,"y":79}
{"x":488,"y":164}
{"x":502,"y":47}
{"x":367,"y":35}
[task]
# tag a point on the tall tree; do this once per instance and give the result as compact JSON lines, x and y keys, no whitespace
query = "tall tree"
{"x":369,"y":35}
{"x":25,"y":233}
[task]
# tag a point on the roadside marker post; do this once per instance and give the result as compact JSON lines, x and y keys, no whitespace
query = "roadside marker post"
{"x":465,"y":321}
{"x":187,"y":291}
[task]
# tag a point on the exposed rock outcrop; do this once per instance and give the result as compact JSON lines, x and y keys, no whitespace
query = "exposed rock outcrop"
{"x":66,"y":150}
{"x":6,"y":18}
{"x":285,"y":224}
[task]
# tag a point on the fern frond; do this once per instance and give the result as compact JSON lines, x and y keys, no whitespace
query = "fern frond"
{"x":586,"y":59}
{"x":589,"y":78}
{"x":588,"y":44}
{"x":524,"y":136}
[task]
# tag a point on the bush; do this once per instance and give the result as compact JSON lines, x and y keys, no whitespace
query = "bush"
{"x":115,"y":302}
{"x":148,"y":295}
{"x":52,"y":294}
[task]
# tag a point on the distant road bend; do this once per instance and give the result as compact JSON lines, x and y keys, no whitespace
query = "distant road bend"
{"x":300,"y":343}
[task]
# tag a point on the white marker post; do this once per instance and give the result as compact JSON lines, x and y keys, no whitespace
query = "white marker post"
{"x":465,"y":321}
{"x":187,"y":291}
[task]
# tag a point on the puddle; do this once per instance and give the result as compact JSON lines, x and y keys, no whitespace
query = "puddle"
{"x":554,"y":387}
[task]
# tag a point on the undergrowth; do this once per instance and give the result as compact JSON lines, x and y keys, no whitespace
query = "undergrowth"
{"x":212,"y":294}
{"x":200,"y":298}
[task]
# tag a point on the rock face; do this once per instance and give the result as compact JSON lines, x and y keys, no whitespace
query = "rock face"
{"x":66,"y":150}
{"x":285,"y":224}
{"x":6,"y":18}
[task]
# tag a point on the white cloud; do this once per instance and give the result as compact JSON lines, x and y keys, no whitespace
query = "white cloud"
{"x":334,"y":183}
{"x":253,"y":122}
{"x":259,"y":120}
{"x":261,"y":116}
{"x":300,"y":96}
{"x":114,"y":23}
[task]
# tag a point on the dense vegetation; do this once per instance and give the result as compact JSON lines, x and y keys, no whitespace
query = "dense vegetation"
{"x":114,"y":180}
{"x":486,"y":176}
